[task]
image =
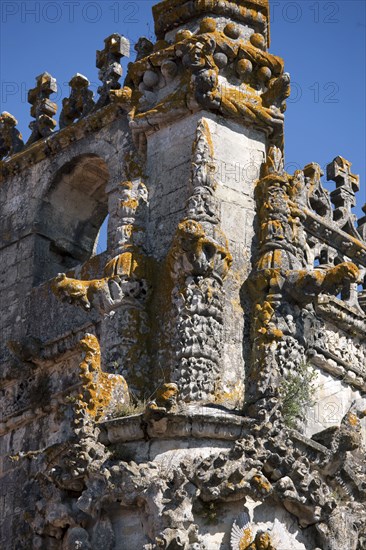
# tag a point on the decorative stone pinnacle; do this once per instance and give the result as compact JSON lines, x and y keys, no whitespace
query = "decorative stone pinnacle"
{"x":108,"y":63}
{"x":10,"y":138}
{"x":143,"y":47}
{"x":79,"y":103}
{"x":42,"y":108}
{"x":339,"y":170}
{"x":343,"y":197}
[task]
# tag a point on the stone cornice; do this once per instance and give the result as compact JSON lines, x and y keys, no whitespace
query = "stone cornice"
{"x":198,"y":423}
{"x":172,"y":13}
{"x":59,"y":140}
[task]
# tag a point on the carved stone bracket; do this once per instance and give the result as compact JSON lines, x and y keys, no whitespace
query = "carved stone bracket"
{"x":100,"y":392}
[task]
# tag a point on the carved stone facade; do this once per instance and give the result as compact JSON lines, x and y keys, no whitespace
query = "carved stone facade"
{"x":200,"y":384}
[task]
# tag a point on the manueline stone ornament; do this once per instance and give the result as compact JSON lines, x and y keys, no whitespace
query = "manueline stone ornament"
{"x":200,"y":384}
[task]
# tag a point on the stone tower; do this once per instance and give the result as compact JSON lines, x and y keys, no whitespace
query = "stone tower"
{"x":176,"y":391}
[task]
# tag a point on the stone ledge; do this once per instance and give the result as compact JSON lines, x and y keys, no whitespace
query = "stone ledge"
{"x":348,"y":318}
{"x":209,"y":424}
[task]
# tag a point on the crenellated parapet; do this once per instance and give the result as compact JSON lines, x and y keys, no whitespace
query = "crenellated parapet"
{"x":43,"y":109}
{"x":219,"y":63}
{"x":77,"y":106}
{"x":108,"y":63}
{"x":80,"y":102}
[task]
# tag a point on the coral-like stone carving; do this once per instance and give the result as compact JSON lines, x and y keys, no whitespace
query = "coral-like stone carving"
{"x":268,"y":462}
{"x":79,"y":103}
{"x":198,"y":262}
{"x":179,"y":312}
{"x":10,"y":138}
{"x":42,"y":109}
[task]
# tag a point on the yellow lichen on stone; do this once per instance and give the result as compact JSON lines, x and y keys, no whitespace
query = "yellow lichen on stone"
{"x":230,"y":395}
{"x":246,"y":539}
{"x":75,"y":290}
{"x":351,"y":419}
{"x":100,"y":392}
{"x":130,"y":263}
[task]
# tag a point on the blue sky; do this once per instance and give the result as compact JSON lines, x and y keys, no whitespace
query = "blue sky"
{"x":322,"y":42}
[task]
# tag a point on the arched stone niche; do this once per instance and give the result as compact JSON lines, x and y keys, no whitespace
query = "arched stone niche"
{"x":70,"y":216}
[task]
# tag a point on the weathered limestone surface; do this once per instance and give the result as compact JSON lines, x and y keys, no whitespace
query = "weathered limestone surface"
{"x":200,"y":385}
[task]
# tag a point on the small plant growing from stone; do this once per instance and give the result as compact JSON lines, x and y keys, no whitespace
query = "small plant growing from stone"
{"x":129,"y":409}
{"x":297,"y":390}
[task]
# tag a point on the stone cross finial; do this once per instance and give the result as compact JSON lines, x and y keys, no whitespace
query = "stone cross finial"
{"x":343,"y":197}
{"x":10,"y":138}
{"x":42,"y":108}
{"x":79,"y":103}
{"x":339,"y":170}
{"x":108,"y":63}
